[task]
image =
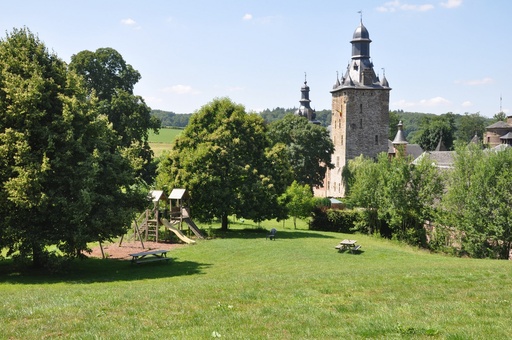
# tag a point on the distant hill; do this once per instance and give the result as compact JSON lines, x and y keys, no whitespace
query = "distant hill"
{"x":171,"y":119}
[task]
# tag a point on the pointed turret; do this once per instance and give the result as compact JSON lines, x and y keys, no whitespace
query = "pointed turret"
{"x":400,"y":143}
{"x":305,"y":109}
{"x":360,"y":72}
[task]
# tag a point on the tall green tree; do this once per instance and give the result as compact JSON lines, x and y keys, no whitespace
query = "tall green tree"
{"x":469,"y":125}
{"x":397,"y":193}
{"x":112,"y":80}
{"x":433,"y":129}
{"x":64,"y":181}
{"x":363,"y":180}
{"x":298,"y":200}
{"x":309,"y":148}
{"x":478,"y":203}
{"x":226,"y":160}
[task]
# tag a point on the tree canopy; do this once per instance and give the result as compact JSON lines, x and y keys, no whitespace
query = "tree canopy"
{"x":478,"y":202}
{"x":309,"y":148}
{"x":226,"y":160}
{"x":111,"y":79}
{"x":65,"y":181}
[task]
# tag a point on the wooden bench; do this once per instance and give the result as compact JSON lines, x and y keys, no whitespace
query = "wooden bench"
{"x":355,"y":249}
{"x":156,"y":255}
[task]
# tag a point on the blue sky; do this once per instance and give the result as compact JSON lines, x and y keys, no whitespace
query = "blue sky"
{"x":438,"y":55}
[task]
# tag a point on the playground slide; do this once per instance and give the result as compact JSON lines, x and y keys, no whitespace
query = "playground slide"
{"x":193,"y":227}
{"x":176,"y":231}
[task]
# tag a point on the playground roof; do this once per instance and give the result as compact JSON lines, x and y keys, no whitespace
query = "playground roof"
{"x":156,"y":195}
{"x":177,"y":194}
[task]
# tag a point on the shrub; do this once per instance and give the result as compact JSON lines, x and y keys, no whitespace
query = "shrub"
{"x":342,"y":221}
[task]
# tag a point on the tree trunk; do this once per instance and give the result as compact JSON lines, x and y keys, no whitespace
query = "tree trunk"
{"x":37,"y":256}
{"x":224,"y":222}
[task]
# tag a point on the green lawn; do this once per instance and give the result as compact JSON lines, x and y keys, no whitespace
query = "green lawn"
{"x":242,"y":286}
{"x":162,"y":141}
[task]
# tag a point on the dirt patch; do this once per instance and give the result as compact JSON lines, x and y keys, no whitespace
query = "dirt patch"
{"x":114,"y":251}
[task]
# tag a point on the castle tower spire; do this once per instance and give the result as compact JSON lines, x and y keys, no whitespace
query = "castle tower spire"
{"x":305,"y":109}
{"x":360,"y":112}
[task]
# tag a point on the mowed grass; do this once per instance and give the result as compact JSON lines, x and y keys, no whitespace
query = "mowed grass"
{"x":162,"y":141}
{"x":242,"y":286}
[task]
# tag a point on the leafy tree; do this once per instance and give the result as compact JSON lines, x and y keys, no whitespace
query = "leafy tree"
{"x":64,"y":180}
{"x":298,"y":200}
{"x":309,"y":148}
{"x":409,"y":194}
{"x":225,"y":158}
{"x":478,"y":203}
{"x":364,"y":189}
{"x":397,"y":193}
{"x":500,"y":116}
{"x":434,"y":128}
{"x":112,"y":80}
{"x":470,"y":125}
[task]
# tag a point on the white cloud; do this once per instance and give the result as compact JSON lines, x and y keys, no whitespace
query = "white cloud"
{"x":436,"y":101}
{"x":467,"y":103}
{"x":129,"y":22}
{"x":423,"y":103}
{"x":451,"y":3}
{"x":247,"y":16}
{"x":476,"y":82}
{"x":180,"y":89}
{"x":396,"y":5}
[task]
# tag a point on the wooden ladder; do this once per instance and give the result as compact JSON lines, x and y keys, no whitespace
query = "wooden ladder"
{"x":152,"y":230}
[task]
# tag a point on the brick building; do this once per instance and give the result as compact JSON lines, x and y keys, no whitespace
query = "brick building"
{"x":499,"y":133}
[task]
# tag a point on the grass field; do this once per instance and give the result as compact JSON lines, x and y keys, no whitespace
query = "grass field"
{"x":242,"y":286}
{"x":163,"y":140}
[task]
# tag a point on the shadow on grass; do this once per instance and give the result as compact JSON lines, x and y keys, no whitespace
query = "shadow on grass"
{"x":93,"y":270}
{"x":257,"y":233}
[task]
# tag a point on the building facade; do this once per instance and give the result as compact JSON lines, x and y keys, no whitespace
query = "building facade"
{"x":360,"y":113}
{"x":499,"y":133}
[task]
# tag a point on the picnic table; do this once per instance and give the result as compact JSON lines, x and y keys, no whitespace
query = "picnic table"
{"x":348,"y":245}
{"x":154,"y":255}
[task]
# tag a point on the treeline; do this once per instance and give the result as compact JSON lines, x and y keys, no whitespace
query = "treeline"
{"x":425,"y":129}
{"x":171,"y":119}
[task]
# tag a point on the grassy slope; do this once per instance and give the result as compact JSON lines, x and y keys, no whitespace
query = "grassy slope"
{"x":240,"y":285}
{"x":163,"y":140}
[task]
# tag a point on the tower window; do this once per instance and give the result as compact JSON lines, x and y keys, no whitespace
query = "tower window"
{"x":360,"y":108}
{"x":338,"y":161}
{"x":341,"y":141}
{"x":376,"y":139}
{"x":361,"y":123}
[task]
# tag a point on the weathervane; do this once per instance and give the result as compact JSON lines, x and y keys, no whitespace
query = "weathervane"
{"x":361,"y":15}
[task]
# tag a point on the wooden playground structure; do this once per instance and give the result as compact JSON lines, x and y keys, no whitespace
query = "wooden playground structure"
{"x":147,"y":225}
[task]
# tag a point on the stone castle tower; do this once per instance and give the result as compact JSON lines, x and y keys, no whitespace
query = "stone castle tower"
{"x":360,"y":112}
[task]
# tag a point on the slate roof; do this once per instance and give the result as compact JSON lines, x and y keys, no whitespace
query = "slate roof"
{"x":499,"y":125}
{"x":441,"y":159}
